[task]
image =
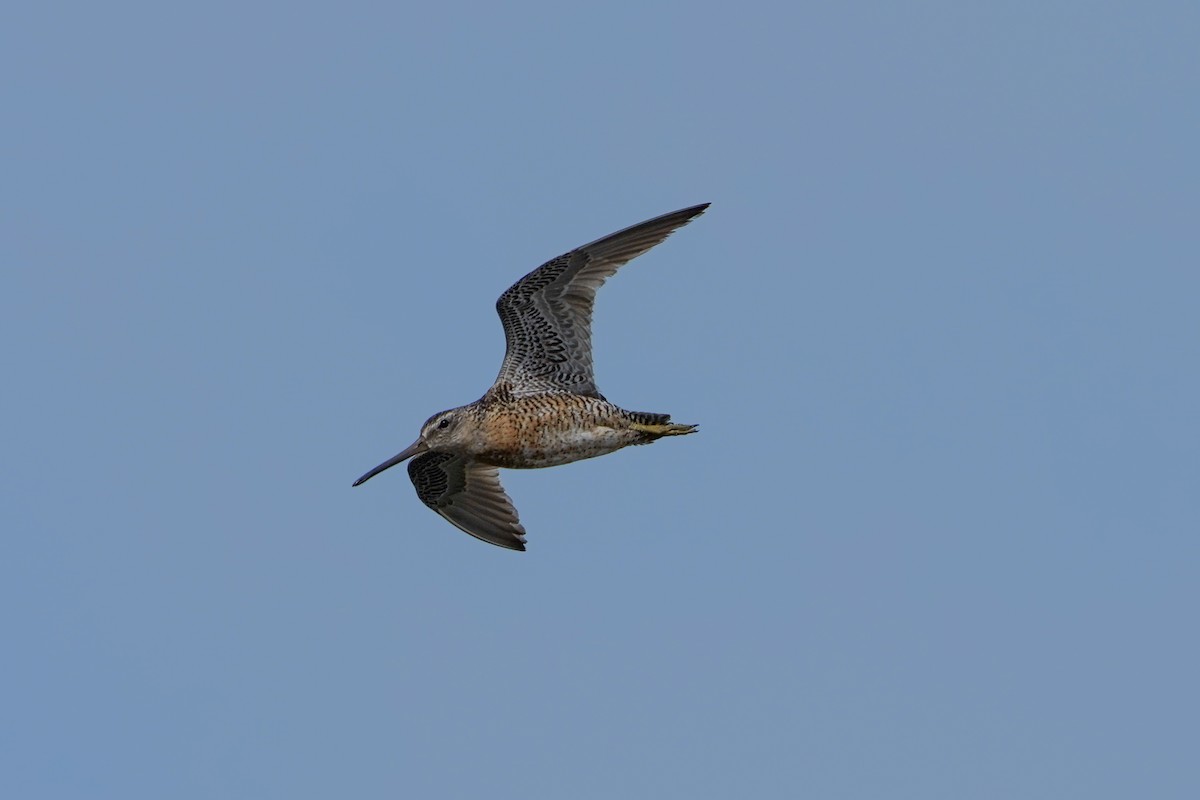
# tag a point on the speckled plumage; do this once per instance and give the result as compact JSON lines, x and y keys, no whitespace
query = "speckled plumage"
{"x":544,"y":408}
{"x":553,"y":427}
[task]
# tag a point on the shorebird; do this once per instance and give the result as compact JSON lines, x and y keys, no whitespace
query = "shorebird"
{"x":544,"y":408}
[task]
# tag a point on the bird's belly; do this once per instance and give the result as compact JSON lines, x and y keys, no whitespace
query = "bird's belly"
{"x":549,"y":448}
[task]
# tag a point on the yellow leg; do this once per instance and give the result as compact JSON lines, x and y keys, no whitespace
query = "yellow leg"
{"x":669,"y":429}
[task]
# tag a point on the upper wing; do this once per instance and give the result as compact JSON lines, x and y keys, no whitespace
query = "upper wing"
{"x":469,"y":495}
{"x":547,"y":315}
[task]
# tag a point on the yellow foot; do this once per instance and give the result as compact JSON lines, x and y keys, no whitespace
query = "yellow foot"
{"x":670,"y":429}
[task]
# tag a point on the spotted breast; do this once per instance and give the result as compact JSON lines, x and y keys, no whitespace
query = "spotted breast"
{"x":552,"y":428}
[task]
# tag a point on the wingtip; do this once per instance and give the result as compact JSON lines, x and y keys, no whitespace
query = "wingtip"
{"x":517,"y":544}
{"x":692,"y":214}
{"x":692,"y":211}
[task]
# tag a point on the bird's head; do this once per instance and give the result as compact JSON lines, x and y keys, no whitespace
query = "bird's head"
{"x":446,"y":431}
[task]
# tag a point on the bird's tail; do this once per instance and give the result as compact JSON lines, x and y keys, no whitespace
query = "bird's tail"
{"x":659,"y":425}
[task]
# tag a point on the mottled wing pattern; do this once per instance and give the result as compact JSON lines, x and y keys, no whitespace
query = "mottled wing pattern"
{"x":469,"y":495}
{"x":547,"y":315}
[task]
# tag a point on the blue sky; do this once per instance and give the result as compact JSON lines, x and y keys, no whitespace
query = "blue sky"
{"x":937,"y":536}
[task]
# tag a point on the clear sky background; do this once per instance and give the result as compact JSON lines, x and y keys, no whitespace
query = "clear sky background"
{"x":938,"y":536}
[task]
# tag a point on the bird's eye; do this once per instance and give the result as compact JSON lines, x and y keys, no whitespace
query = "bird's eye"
{"x":445,"y":423}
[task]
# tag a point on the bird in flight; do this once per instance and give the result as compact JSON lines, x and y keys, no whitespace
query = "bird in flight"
{"x":544,"y":408}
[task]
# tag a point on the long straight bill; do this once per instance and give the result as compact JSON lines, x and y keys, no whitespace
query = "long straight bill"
{"x":407,"y":453}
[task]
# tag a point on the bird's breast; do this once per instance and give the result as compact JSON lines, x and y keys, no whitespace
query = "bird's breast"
{"x":545,"y":432}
